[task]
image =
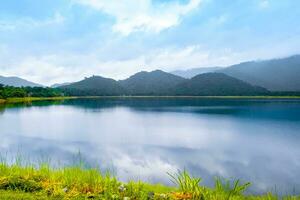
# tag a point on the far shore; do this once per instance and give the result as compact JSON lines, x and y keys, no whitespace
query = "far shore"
{"x":31,"y":99}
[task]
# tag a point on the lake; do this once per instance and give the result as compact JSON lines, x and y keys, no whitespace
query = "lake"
{"x":256,"y":140}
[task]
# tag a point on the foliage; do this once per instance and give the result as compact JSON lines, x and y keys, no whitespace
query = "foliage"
{"x":230,"y":188}
{"x":77,"y":182}
{"x":20,"y":92}
{"x":187,"y":184}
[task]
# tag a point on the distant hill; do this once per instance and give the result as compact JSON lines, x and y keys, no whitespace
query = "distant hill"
{"x":275,"y":75}
{"x":162,"y":83}
{"x":216,"y":84}
{"x":189,"y":73}
{"x":17,"y":82}
{"x":56,"y":85}
{"x":94,"y":86}
{"x":150,"y":83}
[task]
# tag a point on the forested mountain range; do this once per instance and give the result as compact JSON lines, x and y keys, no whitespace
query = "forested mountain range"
{"x":275,"y":75}
{"x":281,"y":74}
{"x":249,"y":78}
{"x":150,"y":83}
{"x":95,"y":86}
{"x":163,"y":84}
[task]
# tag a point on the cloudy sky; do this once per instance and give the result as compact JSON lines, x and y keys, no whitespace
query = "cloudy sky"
{"x":52,"y":41}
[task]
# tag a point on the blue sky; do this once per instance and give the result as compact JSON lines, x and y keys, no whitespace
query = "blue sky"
{"x":53,"y":41}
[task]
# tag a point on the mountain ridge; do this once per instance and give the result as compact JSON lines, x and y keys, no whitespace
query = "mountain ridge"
{"x":94,"y":86}
{"x":154,"y":82}
{"x":217,"y":84}
{"x":277,"y":75}
{"x":17,"y":82}
{"x":190,"y":73}
{"x":280,"y":74}
{"x":161,"y":83}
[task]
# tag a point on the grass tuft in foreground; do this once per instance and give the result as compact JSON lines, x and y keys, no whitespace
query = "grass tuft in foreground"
{"x":44,"y":182}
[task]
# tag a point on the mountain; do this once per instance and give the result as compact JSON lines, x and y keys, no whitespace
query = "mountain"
{"x":216,"y":84}
{"x":17,"y":82}
{"x":150,"y":83}
{"x":161,"y":83}
{"x":189,"y":73}
{"x":94,"y":86}
{"x":56,"y":85}
{"x":275,"y":75}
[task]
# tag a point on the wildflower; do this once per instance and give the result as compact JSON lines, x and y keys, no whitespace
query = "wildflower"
{"x":122,"y":188}
{"x":65,"y":190}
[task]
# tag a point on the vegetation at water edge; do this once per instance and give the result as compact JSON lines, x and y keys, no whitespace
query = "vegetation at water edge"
{"x":77,"y":182}
{"x":21,"y":92}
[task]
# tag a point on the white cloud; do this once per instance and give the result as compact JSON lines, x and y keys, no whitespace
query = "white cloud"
{"x":55,"y":68}
{"x":40,"y":70}
{"x":142,"y":15}
{"x":148,"y":168}
{"x":71,"y":66}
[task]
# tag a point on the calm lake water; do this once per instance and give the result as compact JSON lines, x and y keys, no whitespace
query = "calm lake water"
{"x":253,"y":140}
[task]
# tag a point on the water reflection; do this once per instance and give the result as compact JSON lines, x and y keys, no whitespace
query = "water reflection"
{"x":256,"y":141}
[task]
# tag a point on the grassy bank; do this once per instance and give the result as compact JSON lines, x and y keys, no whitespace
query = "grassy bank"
{"x":17,"y":182}
{"x":31,"y":99}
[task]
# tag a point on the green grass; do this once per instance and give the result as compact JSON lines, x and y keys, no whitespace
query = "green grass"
{"x":44,"y":182}
{"x":30,"y":99}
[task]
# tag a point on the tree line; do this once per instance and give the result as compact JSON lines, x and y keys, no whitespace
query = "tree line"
{"x":14,"y":92}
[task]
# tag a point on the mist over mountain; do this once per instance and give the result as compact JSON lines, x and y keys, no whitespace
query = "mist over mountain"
{"x":150,"y":83}
{"x":17,"y":82}
{"x":276,"y":74}
{"x":56,"y":85}
{"x":189,"y":73}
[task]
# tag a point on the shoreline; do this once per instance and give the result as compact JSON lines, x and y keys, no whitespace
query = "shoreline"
{"x":32,"y":99}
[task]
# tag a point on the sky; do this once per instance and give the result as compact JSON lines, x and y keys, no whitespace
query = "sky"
{"x":56,"y":41}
